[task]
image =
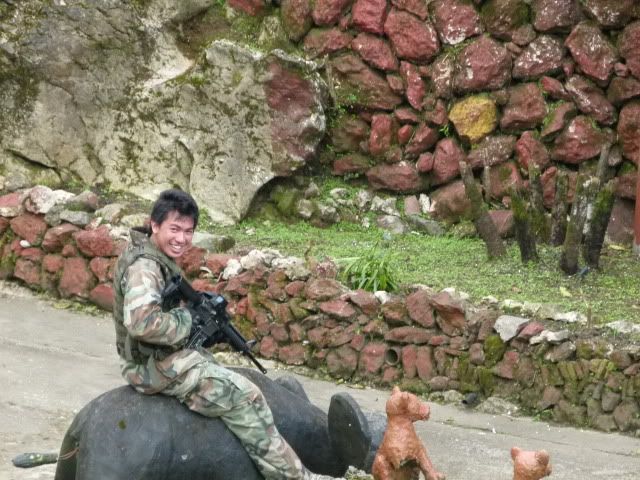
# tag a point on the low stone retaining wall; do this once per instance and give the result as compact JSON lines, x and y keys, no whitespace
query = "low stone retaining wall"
{"x":302,"y":315}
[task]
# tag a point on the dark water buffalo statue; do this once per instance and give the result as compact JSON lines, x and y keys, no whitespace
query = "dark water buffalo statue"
{"x":123,"y":435}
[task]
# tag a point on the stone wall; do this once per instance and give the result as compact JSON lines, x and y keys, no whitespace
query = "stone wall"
{"x":302,"y":315}
{"x":423,"y":84}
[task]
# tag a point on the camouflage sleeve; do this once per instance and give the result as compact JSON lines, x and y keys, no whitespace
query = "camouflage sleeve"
{"x":143,"y":315}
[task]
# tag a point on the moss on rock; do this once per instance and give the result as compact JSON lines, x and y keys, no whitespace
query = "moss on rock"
{"x":494,"y":349}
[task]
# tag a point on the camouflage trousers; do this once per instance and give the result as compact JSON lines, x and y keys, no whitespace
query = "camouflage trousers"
{"x":215,"y":391}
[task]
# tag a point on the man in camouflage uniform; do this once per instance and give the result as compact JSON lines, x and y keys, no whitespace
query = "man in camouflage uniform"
{"x":149,"y":337}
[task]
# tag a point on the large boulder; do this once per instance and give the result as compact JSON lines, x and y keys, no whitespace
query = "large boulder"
{"x":107,"y":96}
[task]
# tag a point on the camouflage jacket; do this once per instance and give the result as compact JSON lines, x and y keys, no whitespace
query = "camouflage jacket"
{"x":153,"y":356}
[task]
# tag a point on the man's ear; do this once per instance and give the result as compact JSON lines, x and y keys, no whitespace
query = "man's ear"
{"x":154,"y":227}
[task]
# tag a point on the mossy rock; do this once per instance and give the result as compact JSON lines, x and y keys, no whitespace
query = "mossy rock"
{"x":502,"y":16}
{"x":494,"y":349}
{"x":414,"y":385}
{"x":486,"y":380}
{"x":7,"y":266}
{"x":285,"y":200}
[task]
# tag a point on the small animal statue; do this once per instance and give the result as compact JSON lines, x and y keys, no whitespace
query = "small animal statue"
{"x":401,"y":455}
{"x":528,"y":465}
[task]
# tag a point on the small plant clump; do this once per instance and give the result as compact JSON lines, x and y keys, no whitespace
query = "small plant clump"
{"x":371,"y":271}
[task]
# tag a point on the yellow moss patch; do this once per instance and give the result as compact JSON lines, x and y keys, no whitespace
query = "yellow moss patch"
{"x":474,"y":117}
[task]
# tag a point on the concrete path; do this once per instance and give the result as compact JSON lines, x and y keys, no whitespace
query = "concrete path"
{"x":52,"y":362}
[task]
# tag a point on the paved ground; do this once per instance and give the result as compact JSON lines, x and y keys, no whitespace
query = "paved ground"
{"x":53,"y":361}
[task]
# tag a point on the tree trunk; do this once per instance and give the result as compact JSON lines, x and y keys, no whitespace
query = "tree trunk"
{"x":560,"y":210}
{"x":600,"y":216}
{"x":486,"y":183}
{"x":481,"y":219}
{"x":571,"y":250}
{"x":599,"y":179}
{"x":539,"y":220}
{"x":600,"y":206}
{"x":525,"y":235}
{"x":636,"y":227}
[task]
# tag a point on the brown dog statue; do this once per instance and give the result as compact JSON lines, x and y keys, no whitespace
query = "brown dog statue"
{"x":401,"y":455}
{"x":529,"y":465}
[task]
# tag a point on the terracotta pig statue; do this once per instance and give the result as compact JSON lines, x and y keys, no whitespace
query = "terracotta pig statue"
{"x":529,"y":465}
{"x":402,"y":456}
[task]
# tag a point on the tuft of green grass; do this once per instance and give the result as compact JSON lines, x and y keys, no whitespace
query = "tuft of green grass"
{"x":371,"y":271}
{"x":610,"y":294}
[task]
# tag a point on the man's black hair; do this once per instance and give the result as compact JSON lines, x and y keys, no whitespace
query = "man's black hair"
{"x":175,"y":200}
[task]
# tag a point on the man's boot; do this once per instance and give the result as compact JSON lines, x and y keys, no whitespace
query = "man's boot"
{"x":355,"y":436}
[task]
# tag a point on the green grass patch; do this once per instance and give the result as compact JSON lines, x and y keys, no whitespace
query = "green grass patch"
{"x":611,"y":294}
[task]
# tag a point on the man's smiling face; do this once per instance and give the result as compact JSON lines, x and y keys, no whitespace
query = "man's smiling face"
{"x":173,"y":236}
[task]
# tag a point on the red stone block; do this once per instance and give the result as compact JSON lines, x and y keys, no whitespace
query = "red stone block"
{"x":32,"y":254}
{"x":250,"y":7}
{"x":296,"y":332}
{"x":102,"y":268}
{"x":323,"y":289}
{"x":279,"y":333}
{"x":27,"y":271}
{"x":11,"y":204}
{"x":294,"y":354}
{"x":338,"y":309}
{"x":76,"y":280}
{"x":424,"y":363}
{"x":369,"y":15}
{"x":412,"y":335}
{"x":95,"y":243}
{"x":29,"y":227}
{"x":328,"y":12}
{"x":103,"y":296}
{"x":366,"y":301}
{"x":294,"y":288}
{"x":52,"y":263}
{"x":192,"y":260}
{"x":57,"y":237}
{"x":411,"y":38}
{"x":358,"y":342}
{"x":342,"y":362}
{"x":69,"y":250}
{"x":372,"y":359}
{"x":268,"y":348}
{"x":217,"y":262}
{"x":401,"y":177}
{"x":409,"y":357}
{"x":375,"y":51}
